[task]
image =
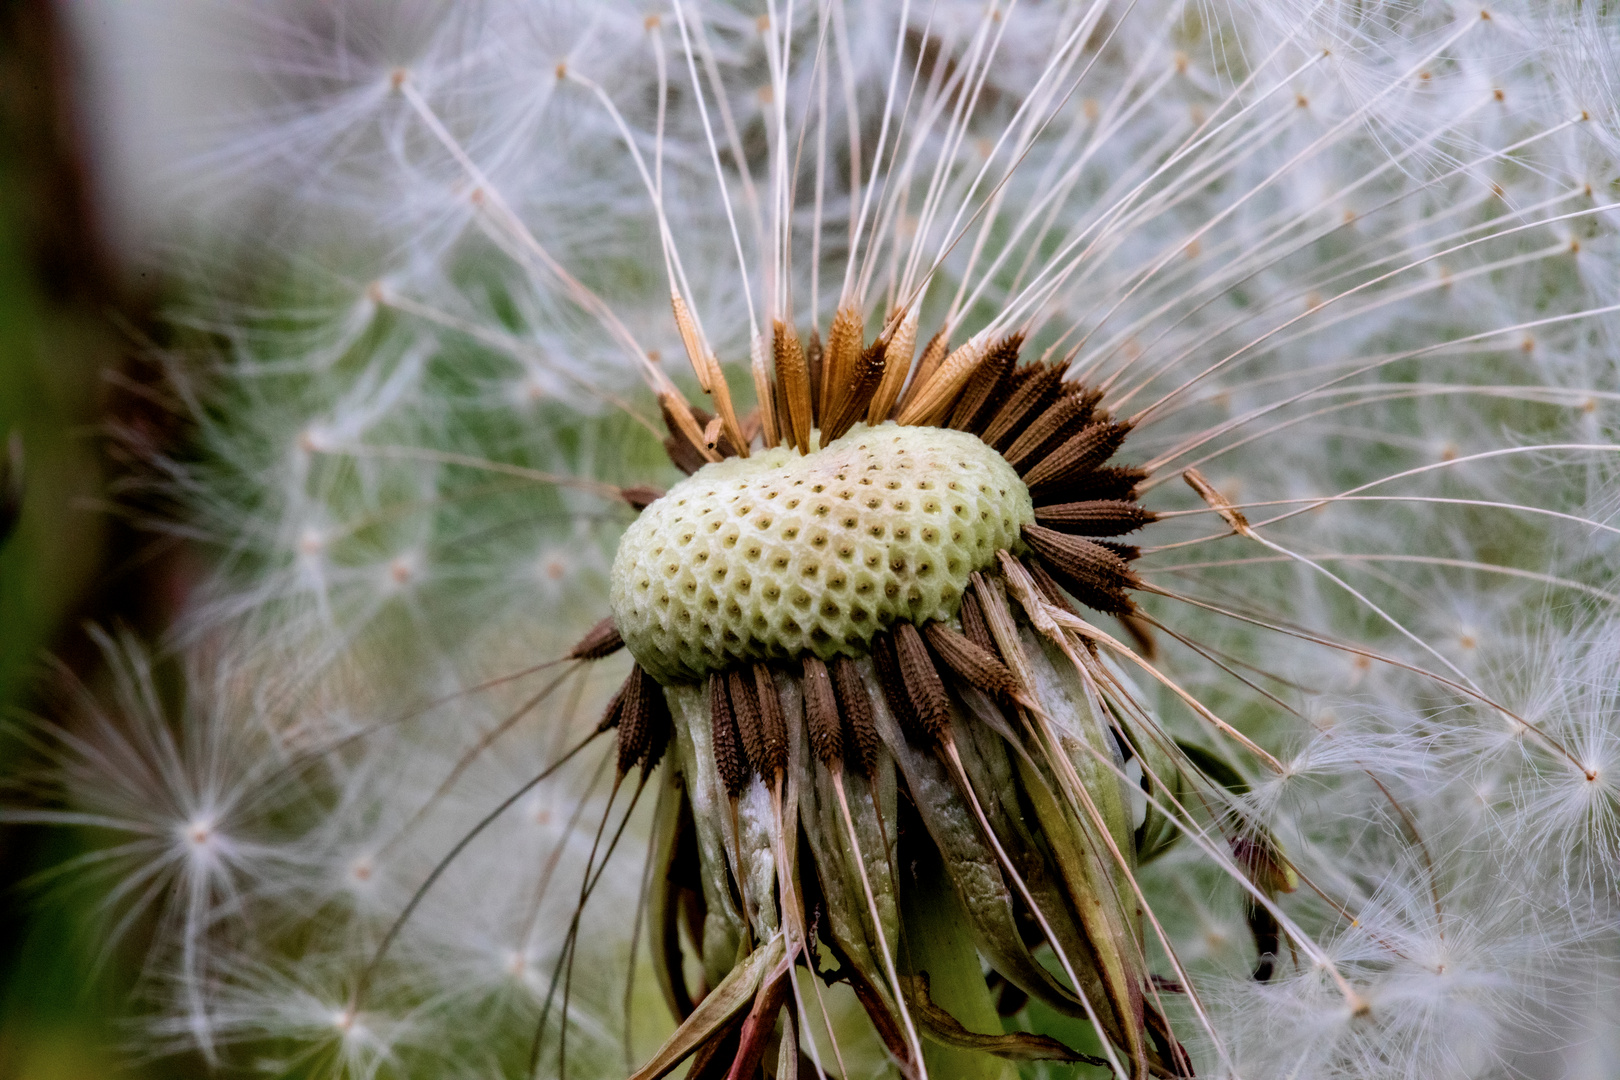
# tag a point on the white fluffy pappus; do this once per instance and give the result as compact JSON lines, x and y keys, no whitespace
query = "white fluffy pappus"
{"x":1349,"y":269}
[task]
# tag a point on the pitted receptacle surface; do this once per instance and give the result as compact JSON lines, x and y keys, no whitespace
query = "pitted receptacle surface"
{"x":782,"y":554}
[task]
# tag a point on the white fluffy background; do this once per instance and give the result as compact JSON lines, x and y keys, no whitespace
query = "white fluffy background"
{"x":362,"y":330}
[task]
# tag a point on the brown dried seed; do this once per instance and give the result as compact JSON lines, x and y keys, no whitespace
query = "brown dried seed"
{"x":976,"y":666}
{"x":1141,"y":635}
{"x":681,"y":421}
{"x":1128,"y":552}
{"x":764,"y":392}
{"x":1217,"y":501}
{"x":1038,"y":390}
{"x":685,"y":448}
{"x":845,"y":337}
{"x":923,"y":684}
{"x":821,"y":715}
{"x":728,"y":754}
{"x":932,"y":355}
{"x":772,"y":727}
{"x":1081,"y":453}
{"x":1108,"y":482}
{"x":1062,"y":420}
{"x":793,"y":374}
{"x":896,"y":366}
{"x":641,"y":496}
{"x":784,"y":417}
{"x":602,"y":640}
{"x":716,"y":436}
{"x":1095,"y":517}
{"x":933,"y":399}
{"x":813,"y":359}
{"x":1093,"y":575}
{"x":974,"y":625}
{"x":660,"y":726}
{"x":867,"y":374}
{"x":745,"y":710}
{"x":732,"y":443}
{"x":636,"y":708}
{"x":987,"y":388}
{"x":689,"y":339}
{"x":1016,"y":381}
{"x":887,"y":664}
{"x":856,"y":709}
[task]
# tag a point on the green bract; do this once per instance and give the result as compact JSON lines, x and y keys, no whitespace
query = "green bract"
{"x":780,"y":554}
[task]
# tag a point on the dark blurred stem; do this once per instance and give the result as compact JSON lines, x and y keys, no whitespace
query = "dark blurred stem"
{"x":61,"y":309}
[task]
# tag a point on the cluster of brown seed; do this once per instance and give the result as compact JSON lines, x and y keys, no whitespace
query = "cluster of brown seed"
{"x":1048,"y":429}
{"x":746,"y":711}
